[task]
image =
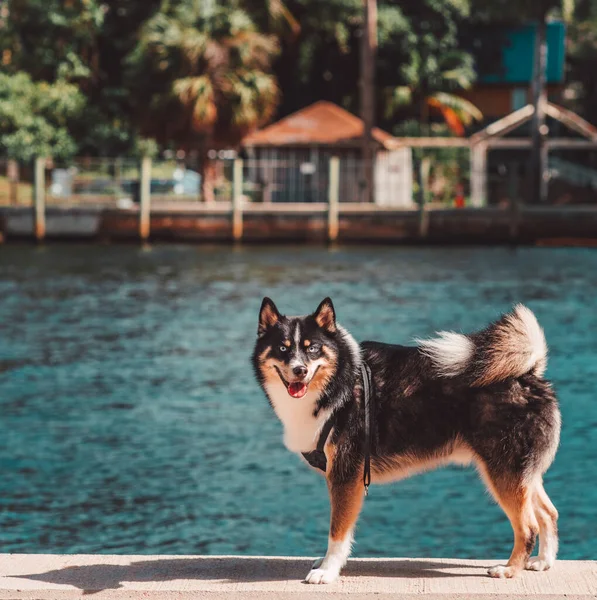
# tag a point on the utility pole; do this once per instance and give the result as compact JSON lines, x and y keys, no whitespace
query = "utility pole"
{"x":368,"y":59}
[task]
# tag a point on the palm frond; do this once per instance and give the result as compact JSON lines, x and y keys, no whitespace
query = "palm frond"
{"x":196,"y":95}
{"x":452,"y":119}
{"x":464,"y":108}
{"x":280,"y":15}
{"x":254,"y":49}
{"x":254,"y":95}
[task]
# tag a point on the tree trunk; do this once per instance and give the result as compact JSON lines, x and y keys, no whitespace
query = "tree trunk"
{"x":207,"y":172}
{"x":368,"y":52}
{"x":424,"y":116}
{"x":538,"y":178}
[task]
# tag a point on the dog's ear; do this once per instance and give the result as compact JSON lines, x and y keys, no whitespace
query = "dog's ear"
{"x":325,"y":315}
{"x":268,"y":316}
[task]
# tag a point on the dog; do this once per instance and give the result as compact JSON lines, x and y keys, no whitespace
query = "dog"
{"x":384,"y":412}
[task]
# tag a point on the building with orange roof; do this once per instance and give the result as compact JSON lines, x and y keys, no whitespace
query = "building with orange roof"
{"x":289,"y":160}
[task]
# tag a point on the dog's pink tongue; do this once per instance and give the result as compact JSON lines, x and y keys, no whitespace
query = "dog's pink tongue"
{"x":297,"y":389}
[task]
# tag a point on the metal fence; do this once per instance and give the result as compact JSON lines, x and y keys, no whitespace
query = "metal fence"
{"x":437,"y":177}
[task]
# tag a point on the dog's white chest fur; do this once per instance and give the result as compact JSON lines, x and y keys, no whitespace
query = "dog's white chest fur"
{"x":301,"y":428}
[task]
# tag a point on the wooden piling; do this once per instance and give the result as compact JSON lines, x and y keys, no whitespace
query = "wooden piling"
{"x":333,"y":199}
{"x":423,"y":169}
{"x":479,"y":174}
{"x":237,"y":200}
{"x":145,"y":199}
{"x":12,"y":172}
{"x":39,"y":199}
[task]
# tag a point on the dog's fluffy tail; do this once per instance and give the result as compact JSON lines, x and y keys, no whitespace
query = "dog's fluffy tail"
{"x":512,"y":346}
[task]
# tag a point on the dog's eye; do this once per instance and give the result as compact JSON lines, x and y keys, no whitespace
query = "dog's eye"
{"x":313,"y":349}
{"x":283,"y":348}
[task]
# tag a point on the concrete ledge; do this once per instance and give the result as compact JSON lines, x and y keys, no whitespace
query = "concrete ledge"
{"x":51,"y":577}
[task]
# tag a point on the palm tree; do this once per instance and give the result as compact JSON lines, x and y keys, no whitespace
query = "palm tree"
{"x":431,"y":87}
{"x":208,"y":78}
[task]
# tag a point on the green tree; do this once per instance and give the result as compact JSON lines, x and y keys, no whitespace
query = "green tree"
{"x":52,"y":39}
{"x":432,"y":68}
{"x":208,"y":76}
{"x":83,"y":42}
{"x":420,"y":67}
{"x":321,"y":62}
{"x":581,"y":59}
{"x":432,"y":85}
{"x":35,"y":117}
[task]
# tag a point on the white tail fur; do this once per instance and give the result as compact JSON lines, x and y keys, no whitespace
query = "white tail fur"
{"x":511,"y":347}
{"x":450,"y":352}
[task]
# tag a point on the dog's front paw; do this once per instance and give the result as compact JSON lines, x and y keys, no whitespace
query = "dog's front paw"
{"x":502,"y":572}
{"x":538,"y":564}
{"x":318,"y":575}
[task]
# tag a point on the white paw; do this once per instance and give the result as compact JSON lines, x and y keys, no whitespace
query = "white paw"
{"x":321,"y":575}
{"x":502,"y":572}
{"x":538,"y":564}
{"x":317,"y":563}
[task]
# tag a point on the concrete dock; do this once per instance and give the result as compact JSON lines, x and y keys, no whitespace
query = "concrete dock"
{"x":67,"y":577}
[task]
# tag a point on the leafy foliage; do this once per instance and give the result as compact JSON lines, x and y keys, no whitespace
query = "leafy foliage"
{"x":582,"y":57}
{"x":34,"y":117}
{"x":53,"y":39}
{"x":198,"y":73}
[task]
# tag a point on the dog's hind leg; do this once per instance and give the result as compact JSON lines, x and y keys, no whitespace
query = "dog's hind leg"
{"x":346,"y":499}
{"x":516,"y":500}
{"x":547,"y":517}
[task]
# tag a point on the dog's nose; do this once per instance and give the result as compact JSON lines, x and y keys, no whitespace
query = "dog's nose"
{"x":300,"y":371}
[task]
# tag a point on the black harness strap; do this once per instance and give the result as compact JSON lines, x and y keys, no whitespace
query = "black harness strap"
{"x":316,"y":458}
{"x":366,"y":374}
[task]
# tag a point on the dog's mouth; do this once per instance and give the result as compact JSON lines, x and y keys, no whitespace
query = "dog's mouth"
{"x":296,"y":389}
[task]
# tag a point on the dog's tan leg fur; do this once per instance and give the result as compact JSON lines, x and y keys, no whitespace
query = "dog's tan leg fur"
{"x":516,"y":500}
{"x":346,"y":500}
{"x":547,"y":517}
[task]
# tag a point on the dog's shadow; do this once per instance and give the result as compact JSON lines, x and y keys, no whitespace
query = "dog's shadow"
{"x":94,"y":578}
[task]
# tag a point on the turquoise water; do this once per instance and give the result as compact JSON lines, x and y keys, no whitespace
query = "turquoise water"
{"x":131,"y":423}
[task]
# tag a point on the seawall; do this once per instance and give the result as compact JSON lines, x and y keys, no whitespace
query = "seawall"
{"x":309,"y":223}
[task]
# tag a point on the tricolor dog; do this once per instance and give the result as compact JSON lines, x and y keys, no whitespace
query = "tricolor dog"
{"x":386,"y":412}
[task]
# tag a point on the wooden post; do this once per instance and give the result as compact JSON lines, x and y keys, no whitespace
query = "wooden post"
{"x":479,"y":175}
{"x":237,"y":200}
{"x":39,"y":199}
{"x":544,"y":169}
{"x":368,"y":59}
{"x":423,"y":169}
{"x":12,"y":172}
{"x":333,"y":198}
{"x":145,"y":199}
